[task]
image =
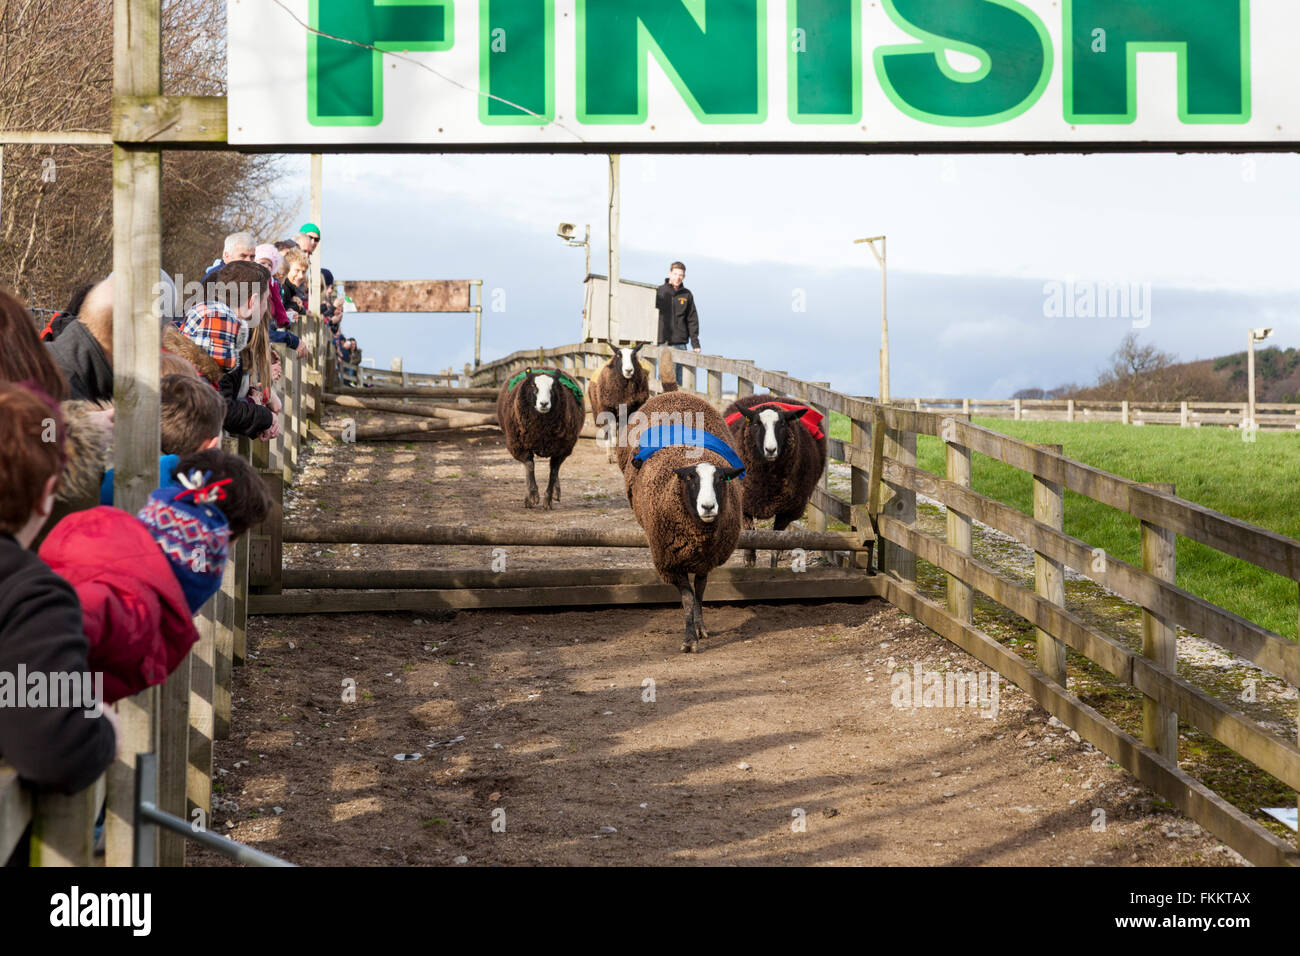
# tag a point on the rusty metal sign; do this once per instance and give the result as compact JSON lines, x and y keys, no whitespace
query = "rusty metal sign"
{"x":411,"y":295}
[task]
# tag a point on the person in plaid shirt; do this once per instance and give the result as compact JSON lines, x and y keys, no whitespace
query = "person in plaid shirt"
{"x":222,"y":326}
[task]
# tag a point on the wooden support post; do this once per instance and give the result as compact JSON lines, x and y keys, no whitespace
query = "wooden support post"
{"x":173,"y":758}
{"x":223,"y":652}
{"x":961,"y":596}
{"x":1049,"y":575}
{"x":239,"y":557}
{"x":713,"y":383}
{"x":688,"y":379}
{"x":1069,"y":409}
{"x":900,"y":504}
{"x":1159,"y":636}
{"x":1123,"y":411}
{"x":965,"y":407}
{"x":1183,"y":420}
{"x":744,"y":387}
{"x":137,"y":257}
{"x":198,"y":786}
{"x":63,"y":827}
{"x":1017,"y":411}
{"x":860,"y":439}
{"x":265,"y":544}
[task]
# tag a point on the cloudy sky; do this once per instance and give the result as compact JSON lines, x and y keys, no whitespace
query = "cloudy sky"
{"x":981,"y":252}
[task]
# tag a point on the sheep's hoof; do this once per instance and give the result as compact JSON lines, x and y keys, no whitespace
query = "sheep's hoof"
{"x":531,"y":501}
{"x":701,"y":634}
{"x":750,"y":559}
{"x":689,"y":647}
{"x":557,"y":491}
{"x":546,"y":505}
{"x":776,"y":558}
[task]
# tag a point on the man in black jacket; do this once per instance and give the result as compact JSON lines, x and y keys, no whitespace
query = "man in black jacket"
{"x":52,"y":743}
{"x":678,"y":320}
{"x":84,"y":350}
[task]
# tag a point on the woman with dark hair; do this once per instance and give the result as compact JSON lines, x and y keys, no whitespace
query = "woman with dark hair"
{"x":59,"y":320}
{"x":23,"y":357}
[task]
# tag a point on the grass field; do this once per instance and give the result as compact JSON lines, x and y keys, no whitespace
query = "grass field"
{"x":1257,"y":482}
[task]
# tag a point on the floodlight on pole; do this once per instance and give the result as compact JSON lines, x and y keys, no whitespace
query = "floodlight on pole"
{"x":566,"y":231}
{"x":1252,"y":336}
{"x":884,"y":312}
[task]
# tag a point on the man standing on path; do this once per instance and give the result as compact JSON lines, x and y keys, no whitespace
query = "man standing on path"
{"x":678,"y":320}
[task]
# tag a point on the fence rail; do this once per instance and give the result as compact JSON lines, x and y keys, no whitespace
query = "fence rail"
{"x":1270,"y":415}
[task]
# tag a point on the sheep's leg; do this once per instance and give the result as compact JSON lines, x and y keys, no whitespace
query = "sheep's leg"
{"x":683,"y":585}
{"x":700,"y":581}
{"x":532,"y":497}
{"x":553,"y":483}
{"x":751,"y":557}
{"x":780,"y":523}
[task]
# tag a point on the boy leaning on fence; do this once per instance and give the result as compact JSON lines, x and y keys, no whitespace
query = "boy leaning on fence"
{"x":52,"y":743}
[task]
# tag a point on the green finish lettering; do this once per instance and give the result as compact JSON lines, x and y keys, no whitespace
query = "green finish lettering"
{"x":1010,"y":42}
{"x":824,"y":50}
{"x":1210,"y":37}
{"x":517,"y":61}
{"x":345,"y":85}
{"x":712,"y":50}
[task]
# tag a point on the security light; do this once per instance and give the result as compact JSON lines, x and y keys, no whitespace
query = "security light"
{"x":566,"y":231}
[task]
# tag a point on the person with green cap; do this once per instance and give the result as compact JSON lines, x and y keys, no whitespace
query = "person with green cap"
{"x":308,"y":237}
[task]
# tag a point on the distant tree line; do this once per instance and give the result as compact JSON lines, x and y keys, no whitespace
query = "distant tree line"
{"x":1140,"y":372}
{"x":56,"y":208}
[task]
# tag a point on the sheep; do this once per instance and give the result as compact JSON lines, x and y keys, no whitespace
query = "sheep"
{"x":618,"y":390}
{"x":783,"y":461}
{"x":685,"y":499}
{"x":541,"y":416}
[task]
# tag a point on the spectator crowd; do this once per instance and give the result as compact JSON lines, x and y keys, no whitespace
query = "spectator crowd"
{"x":92,"y":593}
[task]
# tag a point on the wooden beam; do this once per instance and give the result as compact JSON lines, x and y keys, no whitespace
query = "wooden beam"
{"x":174,"y":120}
{"x":808,"y":585}
{"x":14,"y":137}
{"x":1049,"y":573}
{"x":323,"y":532}
{"x":462,"y":419}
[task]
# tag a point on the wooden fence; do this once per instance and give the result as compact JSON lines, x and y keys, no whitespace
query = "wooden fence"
{"x":880,"y":455}
{"x":1271,"y":415}
{"x":192,"y":709}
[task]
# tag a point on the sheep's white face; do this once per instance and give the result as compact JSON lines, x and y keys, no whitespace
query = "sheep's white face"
{"x":706,"y":499}
{"x":628,"y":359}
{"x":704,"y":488}
{"x":770,"y":425}
{"x":545,"y":385}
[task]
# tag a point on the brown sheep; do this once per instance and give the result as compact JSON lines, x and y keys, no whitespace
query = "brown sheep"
{"x":685,"y":500}
{"x":618,"y":390}
{"x":784,"y":460}
{"x":541,"y":417}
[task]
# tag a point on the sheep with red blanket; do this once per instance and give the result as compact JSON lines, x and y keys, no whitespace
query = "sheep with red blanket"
{"x":784,"y":449}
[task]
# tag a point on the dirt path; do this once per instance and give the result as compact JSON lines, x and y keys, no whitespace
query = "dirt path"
{"x":585,"y":737}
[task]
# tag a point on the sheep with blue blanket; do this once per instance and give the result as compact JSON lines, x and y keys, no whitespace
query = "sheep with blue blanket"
{"x":679,"y":470}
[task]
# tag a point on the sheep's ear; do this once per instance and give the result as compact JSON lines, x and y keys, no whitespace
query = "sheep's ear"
{"x":729,"y":473}
{"x":750,"y":414}
{"x":791,"y":415}
{"x":637,"y":348}
{"x":685,"y":472}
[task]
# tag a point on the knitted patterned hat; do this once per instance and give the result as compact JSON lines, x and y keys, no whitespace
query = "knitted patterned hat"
{"x":192,"y":531}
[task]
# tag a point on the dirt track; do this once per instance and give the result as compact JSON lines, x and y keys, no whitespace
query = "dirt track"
{"x":602,"y":744}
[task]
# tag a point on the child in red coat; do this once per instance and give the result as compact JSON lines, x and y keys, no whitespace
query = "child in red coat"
{"x":140,"y":579}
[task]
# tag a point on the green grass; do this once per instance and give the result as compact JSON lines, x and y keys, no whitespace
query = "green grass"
{"x":1251,"y":481}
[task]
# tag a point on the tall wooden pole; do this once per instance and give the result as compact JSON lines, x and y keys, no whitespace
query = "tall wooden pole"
{"x":881,"y":258}
{"x":137,"y":254}
{"x":613,"y":247}
{"x":1250,"y":377}
{"x":314,"y":294}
